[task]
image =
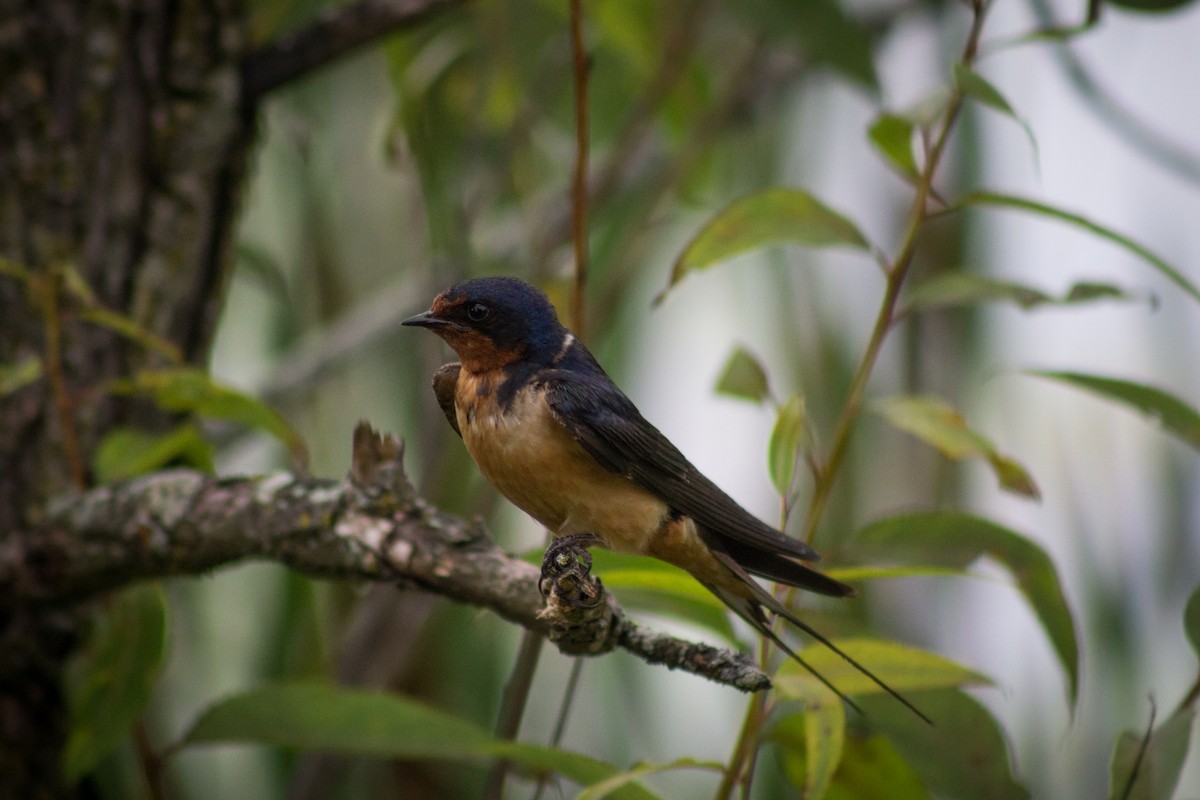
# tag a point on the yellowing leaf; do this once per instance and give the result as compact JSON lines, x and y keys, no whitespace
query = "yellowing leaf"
{"x":904,"y":668}
{"x":933,"y":421}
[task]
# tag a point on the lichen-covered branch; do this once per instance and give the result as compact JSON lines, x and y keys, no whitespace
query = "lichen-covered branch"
{"x":370,"y":526}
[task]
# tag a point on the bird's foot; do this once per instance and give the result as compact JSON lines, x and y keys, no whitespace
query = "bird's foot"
{"x":567,"y":569}
{"x":580,"y":617}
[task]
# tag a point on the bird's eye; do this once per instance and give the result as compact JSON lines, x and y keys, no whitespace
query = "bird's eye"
{"x":478,"y":312}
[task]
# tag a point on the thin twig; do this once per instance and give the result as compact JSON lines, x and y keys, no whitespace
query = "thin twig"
{"x":47,"y":287}
{"x":579,"y":190}
{"x":1143,"y":746}
{"x":897,"y":273}
{"x":512,"y":707}
{"x":331,"y":35}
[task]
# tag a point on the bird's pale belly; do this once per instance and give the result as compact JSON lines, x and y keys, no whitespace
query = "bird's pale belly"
{"x":535,"y":463}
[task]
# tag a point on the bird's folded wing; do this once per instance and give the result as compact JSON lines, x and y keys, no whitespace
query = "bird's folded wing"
{"x":611,"y":429}
{"x":444,"y":382}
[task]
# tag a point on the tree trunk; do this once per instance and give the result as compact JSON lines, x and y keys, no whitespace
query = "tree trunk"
{"x":123,"y":143}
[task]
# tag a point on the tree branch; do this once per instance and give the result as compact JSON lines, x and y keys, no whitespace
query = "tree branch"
{"x":331,"y":35}
{"x":371,"y":526}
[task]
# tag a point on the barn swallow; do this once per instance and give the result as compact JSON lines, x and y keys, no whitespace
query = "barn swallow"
{"x":549,"y":429}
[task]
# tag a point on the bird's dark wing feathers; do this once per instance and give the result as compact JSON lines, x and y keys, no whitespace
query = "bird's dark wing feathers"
{"x":444,"y":381}
{"x":610,"y":428}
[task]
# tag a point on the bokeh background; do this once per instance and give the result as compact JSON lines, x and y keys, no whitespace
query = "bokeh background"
{"x":446,"y":152}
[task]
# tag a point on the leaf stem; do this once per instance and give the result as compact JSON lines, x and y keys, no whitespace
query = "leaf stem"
{"x":897,"y":271}
{"x":579,"y":189}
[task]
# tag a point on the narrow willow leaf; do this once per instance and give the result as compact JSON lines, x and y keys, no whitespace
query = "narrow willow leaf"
{"x":964,"y":754}
{"x":1042,"y":209}
{"x":824,"y":734}
{"x":784,"y":446}
{"x":1153,"y":6}
{"x":126,"y":327}
{"x":773,"y":216}
{"x":195,"y":391}
{"x":892,"y":136}
{"x":1174,"y":415}
{"x":744,"y":377}
{"x":1191,"y":620}
{"x":957,"y":289}
{"x":116,"y":675}
{"x":974,"y":86}
{"x":873,"y":572}
{"x":933,"y":421}
{"x":127,"y":452}
{"x":330,"y":718}
{"x":953,"y":539}
{"x":817,"y":737}
{"x":606,"y":788}
{"x":1149,"y":768}
{"x":904,"y":668}
{"x":19,"y":375}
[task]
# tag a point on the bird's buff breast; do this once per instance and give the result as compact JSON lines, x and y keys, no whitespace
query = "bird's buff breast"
{"x":525,"y":453}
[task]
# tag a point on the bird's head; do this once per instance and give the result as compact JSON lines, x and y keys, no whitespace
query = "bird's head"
{"x":493,"y":322}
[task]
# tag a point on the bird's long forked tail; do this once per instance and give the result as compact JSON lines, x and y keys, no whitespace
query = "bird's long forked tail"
{"x":751,"y":610}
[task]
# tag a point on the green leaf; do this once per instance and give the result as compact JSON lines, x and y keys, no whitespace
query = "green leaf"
{"x":1174,"y":415}
{"x":1147,"y":767}
{"x":116,"y":674}
{"x":126,"y":452}
{"x":126,"y":327}
{"x":1023,"y":204}
{"x":773,"y":216}
{"x":904,"y":668}
{"x":824,"y":735}
{"x":870,"y":767}
{"x":19,"y":375}
{"x":784,"y":446}
{"x":953,"y":539}
{"x":868,"y":572}
{"x":974,"y":86}
{"x":194,"y":391}
{"x":605,"y":788}
{"x":892,"y":136}
{"x":956,"y":289}
{"x":744,"y":377}
{"x":1191,"y":620}
{"x":933,"y":421}
{"x":963,"y":755}
{"x":329,"y":718}
{"x":1150,"y":6}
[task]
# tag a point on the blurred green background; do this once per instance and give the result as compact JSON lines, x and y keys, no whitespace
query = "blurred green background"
{"x":447,"y":152}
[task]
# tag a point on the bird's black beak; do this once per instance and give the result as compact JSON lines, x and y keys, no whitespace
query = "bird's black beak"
{"x":426,"y":319}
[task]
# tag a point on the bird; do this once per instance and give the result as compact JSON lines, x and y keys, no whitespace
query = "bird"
{"x":554,"y":434}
